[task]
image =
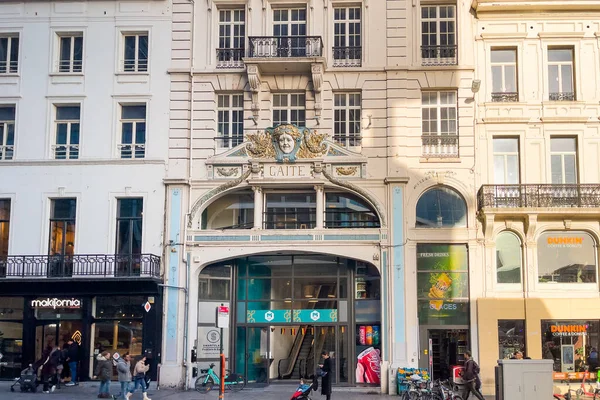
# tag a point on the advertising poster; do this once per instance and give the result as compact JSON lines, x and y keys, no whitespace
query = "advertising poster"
{"x":442,"y":283}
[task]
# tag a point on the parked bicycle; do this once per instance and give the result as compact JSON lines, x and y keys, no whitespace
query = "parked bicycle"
{"x":567,"y":395}
{"x":206,"y":381}
{"x":445,"y":390}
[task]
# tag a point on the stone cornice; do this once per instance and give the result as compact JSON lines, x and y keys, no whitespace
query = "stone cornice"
{"x":495,"y":6}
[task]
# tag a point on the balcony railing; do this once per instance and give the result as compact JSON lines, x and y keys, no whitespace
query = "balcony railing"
{"x":439,"y":55}
{"x":230,"y":58}
{"x":81,"y":265}
{"x":505,"y":97}
{"x":285,"y":47}
{"x":440,"y":146}
{"x":562,"y":96}
{"x":347,"y":56}
{"x":539,"y":195}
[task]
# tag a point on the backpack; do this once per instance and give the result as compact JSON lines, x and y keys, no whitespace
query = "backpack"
{"x":476,"y":368}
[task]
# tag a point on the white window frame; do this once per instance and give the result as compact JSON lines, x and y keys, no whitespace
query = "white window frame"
{"x":289,"y":108}
{"x":231,"y":55}
{"x":562,"y":155}
{"x":133,"y":145}
{"x":230,"y":110}
{"x":4,"y":128}
{"x":503,"y":68}
{"x":68,"y":147}
{"x":559,"y":64}
{"x":505,"y":155}
{"x":346,"y":139}
{"x":438,"y":143}
{"x":344,"y":52}
{"x":11,"y":67}
{"x":438,"y":34}
{"x":136,"y":62}
{"x":289,"y":22}
{"x":71,"y":61}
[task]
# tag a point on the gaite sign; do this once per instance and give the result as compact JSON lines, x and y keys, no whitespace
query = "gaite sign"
{"x":56,"y":303}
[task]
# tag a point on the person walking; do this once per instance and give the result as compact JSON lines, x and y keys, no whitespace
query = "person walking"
{"x":124,"y":372}
{"x":72,"y":360}
{"x":470,"y":377}
{"x":326,"y":375}
{"x":139,"y":373}
{"x":103,"y":372}
{"x":47,"y":369}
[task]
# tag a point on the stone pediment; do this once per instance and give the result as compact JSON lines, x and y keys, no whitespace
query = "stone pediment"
{"x":286,"y":151}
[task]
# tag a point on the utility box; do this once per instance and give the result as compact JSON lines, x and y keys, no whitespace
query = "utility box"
{"x":524,"y":379}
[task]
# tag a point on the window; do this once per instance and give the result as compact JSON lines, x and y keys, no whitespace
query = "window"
{"x":504,"y":75}
{"x":560,"y":74}
{"x":214,"y":283}
{"x":7,"y":132}
{"x":9,"y":54}
{"x":62,"y":237}
{"x":508,"y":258}
{"x":4,"y":234}
{"x":571,"y":344}
{"x":289,"y":108}
{"x":563,"y":160}
{"x":344,"y":210}
{"x":566,"y":257}
{"x":439,"y":124}
{"x":441,"y":207}
{"x":232,"y":35}
{"x":438,"y":35}
{"x":129,"y":236}
{"x":135,"y":52}
{"x":511,"y":337}
{"x":346,"y":112}
{"x":290,"y":211}
{"x":67,"y":124}
{"x":506,"y":161}
{"x":288,"y":23}
{"x":347,"y":50}
{"x":230,"y":110}
{"x":133,"y":131}
{"x":232,"y":211}
{"x":71,"y":52}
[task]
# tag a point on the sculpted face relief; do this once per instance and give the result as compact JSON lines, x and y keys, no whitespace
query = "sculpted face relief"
{"x":286,"y":143}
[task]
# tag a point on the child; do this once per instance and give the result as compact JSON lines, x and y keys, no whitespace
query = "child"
{"x":103,"y":372}
{"x":302,"y":388}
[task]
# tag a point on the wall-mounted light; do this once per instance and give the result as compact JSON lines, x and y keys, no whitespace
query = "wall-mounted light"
{"x":475,"y":85}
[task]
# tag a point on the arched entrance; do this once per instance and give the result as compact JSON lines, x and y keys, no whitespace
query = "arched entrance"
{"x":289,"y":307}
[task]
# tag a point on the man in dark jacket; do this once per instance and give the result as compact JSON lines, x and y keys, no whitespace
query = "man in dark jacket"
{"x":47,"y":366}
{"x":73,"y":360}
{"x":470,"y":377}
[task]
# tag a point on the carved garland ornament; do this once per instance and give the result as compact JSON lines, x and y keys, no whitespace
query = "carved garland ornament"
{"x":346,"y":171}
{"x":227,"y":172}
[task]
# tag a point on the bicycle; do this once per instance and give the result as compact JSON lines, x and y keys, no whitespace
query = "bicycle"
{"x":205,"y":382}
{"x":446,"y":390}
{"x":567,"y":395}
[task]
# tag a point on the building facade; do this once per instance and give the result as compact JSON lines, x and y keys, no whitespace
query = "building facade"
{"x":537,"y":133}
{"x":83,"y":150}
{"x":321,"y":185}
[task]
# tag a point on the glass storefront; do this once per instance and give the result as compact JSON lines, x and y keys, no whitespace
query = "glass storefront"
{"x":566,"y":257}
{"x":511,"y":337}
{"x":11,"y":337}
{"x":572,"y":344}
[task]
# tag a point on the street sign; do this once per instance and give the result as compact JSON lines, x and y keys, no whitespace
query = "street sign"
{"x":116,"y":356}
{"x":223,"y":317}
{"x":147,"y":306}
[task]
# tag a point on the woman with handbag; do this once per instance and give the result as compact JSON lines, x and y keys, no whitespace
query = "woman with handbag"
{"x":139,"y":372}
{"x":326,"y":375}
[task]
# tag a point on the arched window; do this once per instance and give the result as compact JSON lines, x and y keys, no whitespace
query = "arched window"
{"x":509,"y":260}
{"x":345,"y":210}
{"x":441,"y":207}
{"x":232,"y":211}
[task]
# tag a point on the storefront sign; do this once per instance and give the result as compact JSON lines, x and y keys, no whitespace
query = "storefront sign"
{"x":573,"y":375}
{"x":567,"y":257}
{"x":56,"y":303}
{"x":287,"y":170}
{"x":283,"y":316}
{"x":313,"y":316}
{"x":568,"y":330}
{"x":268,"y":316}
{"x":209,"y":339}
{"x":222,"y":317}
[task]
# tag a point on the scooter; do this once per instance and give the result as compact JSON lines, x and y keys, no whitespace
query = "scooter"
{"x":582,"y":390}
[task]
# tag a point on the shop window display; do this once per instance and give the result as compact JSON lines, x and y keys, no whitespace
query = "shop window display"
{"x":572,"y":344}
{"x":566,"y":257}
{"x":508,"y":258}
{"x":511,"y":337}
{"x":11,"y":336}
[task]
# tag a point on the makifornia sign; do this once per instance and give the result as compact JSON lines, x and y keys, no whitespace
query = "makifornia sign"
{"x":56,"y":303}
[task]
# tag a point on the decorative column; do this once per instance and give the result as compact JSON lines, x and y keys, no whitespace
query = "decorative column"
{"x":258,"y":207}
{"x":320,"y":207}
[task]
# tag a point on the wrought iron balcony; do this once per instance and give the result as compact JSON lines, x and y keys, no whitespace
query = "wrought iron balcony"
{"x":230,"y":58}
{"x":81,"y":266}
{"x":347,"y":56}
{"x":539,"y":195}
{"x":505,"y":97}
{"x":439,"y":55}
{"x":285,"y":47}
{"x":562,"y":96}
{"x":440,"y":146}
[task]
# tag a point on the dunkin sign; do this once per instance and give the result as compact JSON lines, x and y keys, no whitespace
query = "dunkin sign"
{"x":56,"y":303}
{"x":568,"y":330}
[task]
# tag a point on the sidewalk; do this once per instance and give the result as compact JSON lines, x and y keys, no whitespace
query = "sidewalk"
{"x":89,"y":390}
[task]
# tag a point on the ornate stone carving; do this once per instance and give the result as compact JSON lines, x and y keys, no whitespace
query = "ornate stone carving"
{"x":361,"y":191}
{"x":254,"y":79}
{"x":227,"y":172}
{"x":317,"y":78}
{"x":346,"y":171}
{"x":286,"y":143}
{"x":260,"y":145}
{"x":214,"y":192}
{"x":530,"y":227}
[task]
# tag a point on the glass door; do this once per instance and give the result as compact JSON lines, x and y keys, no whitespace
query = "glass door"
{"x":258,"y":356}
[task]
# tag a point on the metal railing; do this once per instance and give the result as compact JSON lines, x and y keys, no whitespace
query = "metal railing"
{"x":7,"y":152}
{"x":505,"y":97}
{"x":538,"y":195}
{"x":81,"y":265}
{"x":132,"y":150}
{"x":230,"y":58}
{"x":9,"y":67}
{"x":439,"y":55}
{"x":285,"y":47}
{"x":66,"y":151}
{"x":442,"y":146}
{"x":347,"y":56}
{"x":562,"y":96}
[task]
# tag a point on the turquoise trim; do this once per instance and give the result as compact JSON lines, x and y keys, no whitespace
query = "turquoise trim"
{"x":351,"y":237}
{"x":384,"y":313}
{"x":285,"y":237}
{"x":172,"y":278}
{"x":207,"y":238}
{"x":398,"y":266}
